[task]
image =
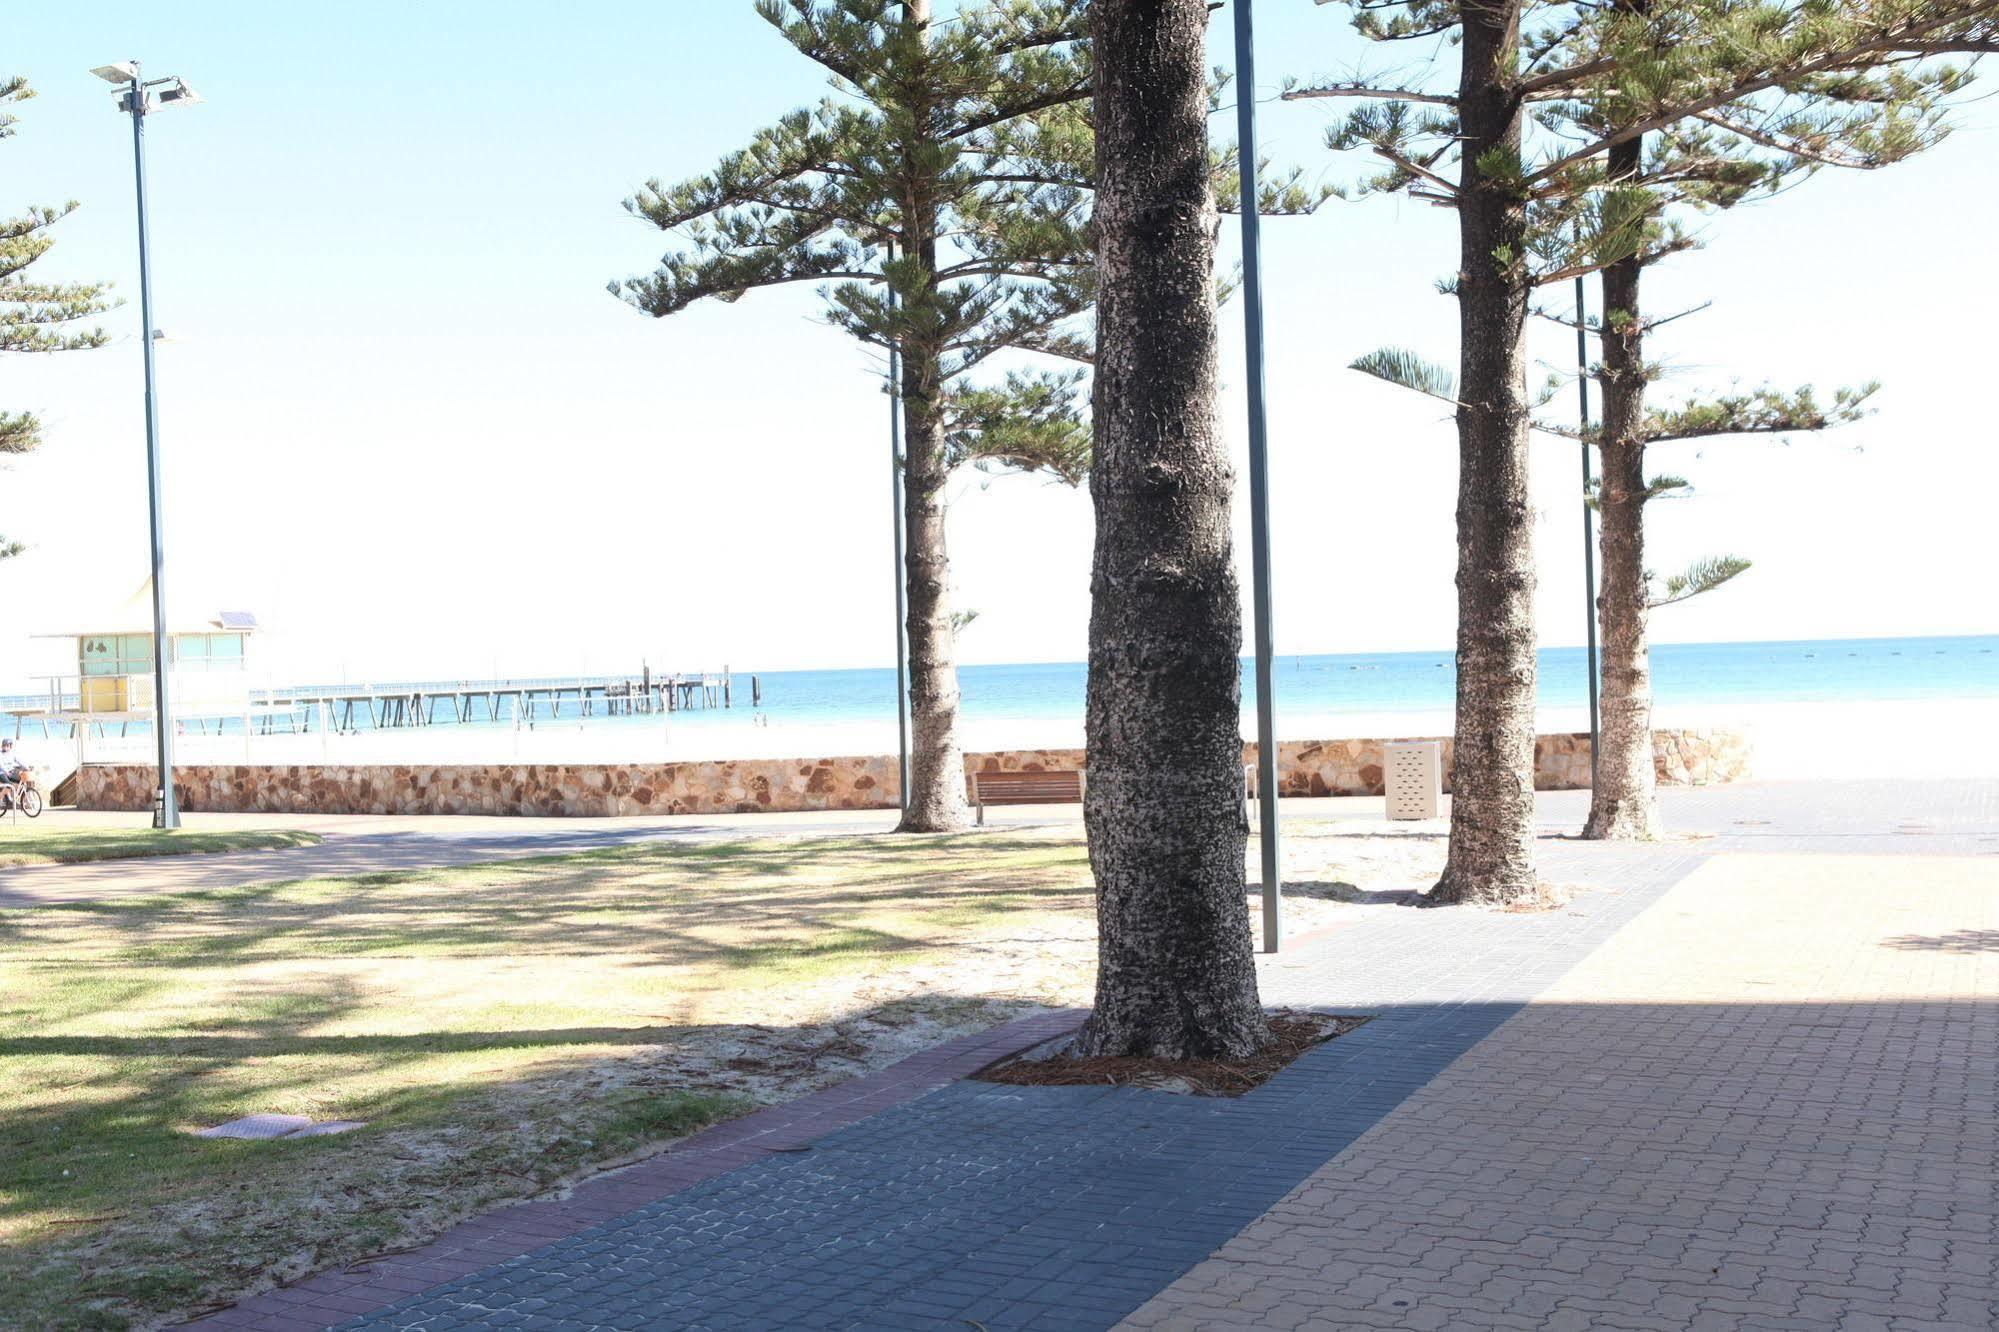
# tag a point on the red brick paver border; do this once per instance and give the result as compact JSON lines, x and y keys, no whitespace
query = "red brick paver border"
{"x":366,"y":1285}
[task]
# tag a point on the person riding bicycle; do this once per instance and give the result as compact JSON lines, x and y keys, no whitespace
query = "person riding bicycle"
{"x":13,"y":772}
{"x":18,"y":788}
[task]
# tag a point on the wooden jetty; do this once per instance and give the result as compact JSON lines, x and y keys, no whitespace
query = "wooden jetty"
{"x":350,"y":708}
{"x":379,"y":708}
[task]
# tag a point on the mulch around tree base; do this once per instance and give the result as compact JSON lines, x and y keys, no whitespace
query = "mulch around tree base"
{"x":1292,"y":1032}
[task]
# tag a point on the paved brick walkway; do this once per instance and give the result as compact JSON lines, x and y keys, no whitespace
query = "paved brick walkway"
{"x":1776,"y":1066}
{"x":1767,"y":1103}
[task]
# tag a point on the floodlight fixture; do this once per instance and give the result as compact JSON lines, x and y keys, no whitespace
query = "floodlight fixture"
{"x":126,"y":71}
{"x":180,"y":95}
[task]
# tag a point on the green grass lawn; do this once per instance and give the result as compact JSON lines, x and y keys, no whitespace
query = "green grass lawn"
{"x":22,"y":843}
{"x":499,"y":1026}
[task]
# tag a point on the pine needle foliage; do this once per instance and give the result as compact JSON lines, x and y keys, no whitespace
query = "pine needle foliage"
{"x":1701,"y":576}
{"x":1734,"y":99}
{"x":37,"y":316}
{"x":1763,"y":411}
{"x":1730,"y":100}
{"x":941,"y":200}
{"x":939,"y":197}
{"x":1402,"y":367}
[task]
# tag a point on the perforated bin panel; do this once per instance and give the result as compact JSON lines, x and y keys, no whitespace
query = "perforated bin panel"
{"x":1413,"y":774}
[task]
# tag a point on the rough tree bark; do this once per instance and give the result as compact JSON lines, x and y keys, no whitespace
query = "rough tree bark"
{"x":1624,"y":803}
{"x":936,"y":798}
{"x":1491,"y":858}
{"x":1176,"y":975}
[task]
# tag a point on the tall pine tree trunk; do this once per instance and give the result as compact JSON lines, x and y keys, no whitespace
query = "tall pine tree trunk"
{"x":1491,"y":857}
{"x":1624,"y":802}
{"x":1176,"y":975}
{"x":936,"y":800}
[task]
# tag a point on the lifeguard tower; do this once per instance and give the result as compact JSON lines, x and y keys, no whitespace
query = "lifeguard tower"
{"x":208,"y":675}
{"x":206,"y":665}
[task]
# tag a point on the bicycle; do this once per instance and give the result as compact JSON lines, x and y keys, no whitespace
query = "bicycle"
{"x":23,"y":794}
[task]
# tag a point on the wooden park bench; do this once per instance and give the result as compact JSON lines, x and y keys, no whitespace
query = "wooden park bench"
{"x":1056,"y":788}
{"x":1025,"y":788}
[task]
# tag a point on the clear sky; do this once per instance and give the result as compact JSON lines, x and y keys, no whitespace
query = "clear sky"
{"x":406,"y":425}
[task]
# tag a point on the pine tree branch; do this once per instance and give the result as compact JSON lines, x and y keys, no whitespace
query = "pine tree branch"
{"x":1063,"y":346}
{"x":1566,"y":77}
{"x":1031,"y":423}
{"x":1595,"y":328}
{"x":34,"y":315}
{"x":1017,"y":178}
{"x":1415,"y":168}
{"x":20,"y":432}
{"x":1343,"y":90}
{"x":1792,"y":147}
{"x":1074,"y":92}
{"x":658,"y":297}
{"x":806,"y":34}
{"x":1857,"y":56}
{"x":1763,"y":411}
{"x":1646,"y":257}
{"x":1973,"y":47}
{"x":1059,"y":34}
{"x":1044,"y":269}
{"x":1701,"y":576}
{"x":1406,"y":369}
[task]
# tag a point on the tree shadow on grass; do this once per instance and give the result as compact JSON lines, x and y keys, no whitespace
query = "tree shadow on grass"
{"x":723,"y":904}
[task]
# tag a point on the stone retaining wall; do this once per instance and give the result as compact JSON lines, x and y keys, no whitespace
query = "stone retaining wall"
{"x":1305,"y":768}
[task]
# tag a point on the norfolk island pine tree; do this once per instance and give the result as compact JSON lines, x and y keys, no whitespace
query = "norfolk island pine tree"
{"x":1867,"y":110}
{"x":947,"y":145}
{"x":964,"y":148}
{"x":1176,"y":977}
{"x":36,"y":316}
{"x":1526,"y":219}
{"x":1878,"y":107}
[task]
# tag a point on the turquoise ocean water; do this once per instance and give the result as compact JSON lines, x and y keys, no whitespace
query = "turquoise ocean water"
{"x":1706,"y":675}
{"x":1829,"y":670}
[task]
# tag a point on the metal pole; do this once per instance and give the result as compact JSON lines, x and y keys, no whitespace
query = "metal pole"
{"x":1589,"y":531}
{"x":1259,"y":475}
{"x":167,"y":815}
{"x":901,"y":587}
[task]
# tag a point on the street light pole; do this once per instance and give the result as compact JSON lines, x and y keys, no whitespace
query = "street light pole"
{"x":137,"y":103}
{"x":134,"y":101}
{"x":901,"y":587}
{"x":1259,"y":475}
{"x":1589,"y":533}
{"x":167,"y":813}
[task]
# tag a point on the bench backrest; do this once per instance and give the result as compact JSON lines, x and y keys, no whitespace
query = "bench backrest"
{"x":1028,"y":788}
